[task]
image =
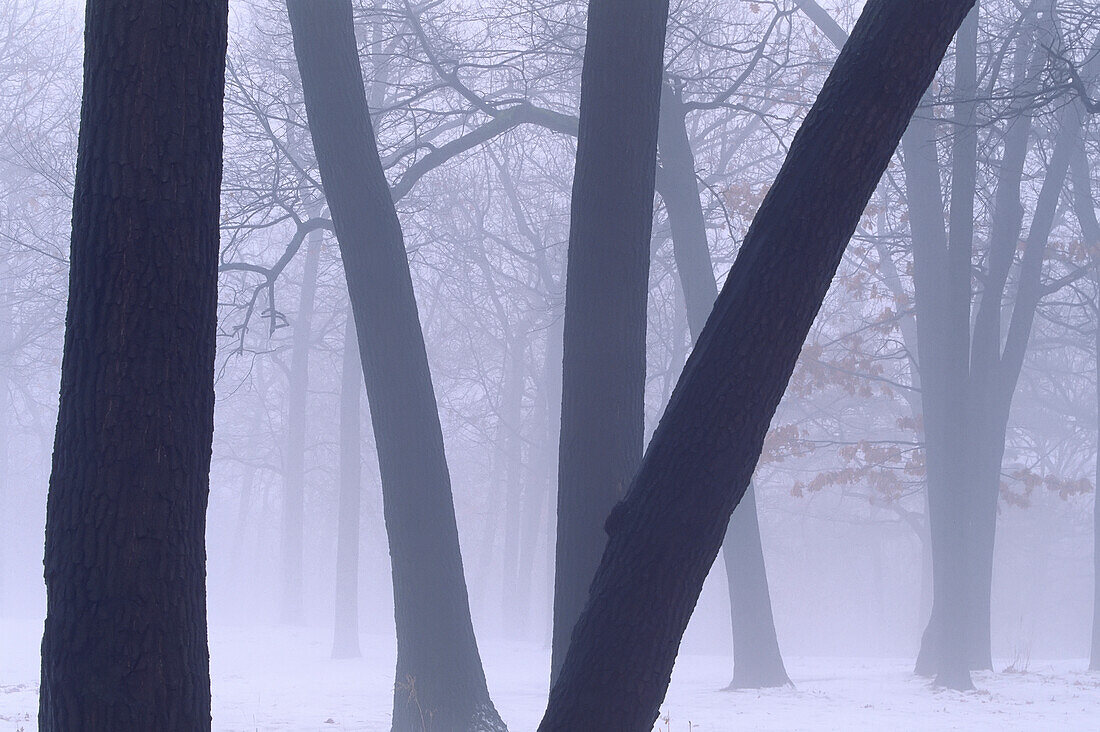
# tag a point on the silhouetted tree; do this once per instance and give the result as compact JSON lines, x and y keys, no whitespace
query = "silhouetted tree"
{"x":757,"y":661}
{"x":440,"y":682}
{"x":125,"y":645}
{"x":606,"y":286}
{"x":664,"y":535}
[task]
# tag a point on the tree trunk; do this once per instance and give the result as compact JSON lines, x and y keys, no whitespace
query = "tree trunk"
{"x":125,"y":645}
{"x":1085,"y":210}
{"x":607,"y":285}
{"x":294,"y":475}
{"x":663,"y":537}
{"x":943,"y":643}
{"x":440,"y":682}
{"x":757,"y":661}
{"x":345,"y":642}
{"x":511,"y":420}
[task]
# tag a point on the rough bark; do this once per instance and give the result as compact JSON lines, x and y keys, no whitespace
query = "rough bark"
{"x":757,"y":661}
{"x":440,"y":682}
{"x":125,"y":645}
{"x":607,"y":284}
{"x":345,"y":641}
{"x":664,"y":535}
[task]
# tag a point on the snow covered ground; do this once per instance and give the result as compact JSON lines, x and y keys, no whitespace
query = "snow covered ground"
{"x":274,"y":678}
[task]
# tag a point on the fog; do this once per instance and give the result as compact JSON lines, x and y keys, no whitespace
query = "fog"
{"x":909,"y":396}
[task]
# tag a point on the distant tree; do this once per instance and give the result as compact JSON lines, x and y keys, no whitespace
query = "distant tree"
{"x":440,"y":682}
{"x":125,"y":635}
{"x":345,"y":643}
{"x":665,"y":534}
{"x":757,"y":660}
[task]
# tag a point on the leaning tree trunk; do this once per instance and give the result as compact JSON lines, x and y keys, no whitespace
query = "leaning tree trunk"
{"x":606,"y":288}
{"x":345,"y":642}
{"x":757,"y":661}
{"x":294,"y":471}
{"x":663,"y":537}
{"x":440,"y":682}
{"x":125,"y":646}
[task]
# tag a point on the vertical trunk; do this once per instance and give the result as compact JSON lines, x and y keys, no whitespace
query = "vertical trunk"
{"x":942,"y":646}
{"x":702,"y":455}
{"x":1094,"y":651}
{"x":607,"y":284}
{"x":1085,"y":210}
{"x":440,"y":682}
{"x":294,"y":471}
{"x":124,"y":646}
{"x":512,"y":424}
{"x":345,"y":642}
{"x":757,"y":661}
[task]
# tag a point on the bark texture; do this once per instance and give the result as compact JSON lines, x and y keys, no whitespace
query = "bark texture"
{"x":440,"y":682}
{"x":125,"y":643}
{"x":665,"y":534}
{"x":607,"y":284}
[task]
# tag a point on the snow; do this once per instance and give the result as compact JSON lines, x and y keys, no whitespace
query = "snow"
{"x":279,"y":678}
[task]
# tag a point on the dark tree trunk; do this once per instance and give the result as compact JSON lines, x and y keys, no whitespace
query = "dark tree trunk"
{"x":345,"y":642}
{"x":757,"y":661}
{"x":665,"y":534}
{"x":294,"y":460}
{"x":607,"y":284}
{"x":440,"y":682}
{"x":125,"y":646}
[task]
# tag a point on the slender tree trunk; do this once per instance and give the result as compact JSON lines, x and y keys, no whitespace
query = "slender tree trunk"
{"x":1085,"y":210}
{"x":125,"y":646}
{"x":440,"y":682}
{"x":757,"y":660}
{"x":294,"y":473}
{"x":512,"y":424}
{"x":345,"y":642}
{"x":943,"y":644}
{"x":1094,"y":651}
{"x":607,"y":285}
{"x":665,"y":534}
{"x":542,"y":474}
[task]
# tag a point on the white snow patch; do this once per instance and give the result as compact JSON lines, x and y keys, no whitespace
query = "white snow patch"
{"x":280,"y":678}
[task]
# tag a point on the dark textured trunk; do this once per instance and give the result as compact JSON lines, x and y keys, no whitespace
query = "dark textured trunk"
{"x":440,"y":682}
{"x":294,"y":460}
{"x":703,"y":452}
{"x":345,"y":641}
{"x":125,"y":645}
{"x":607,"y":284}
{"x":757,"y":661}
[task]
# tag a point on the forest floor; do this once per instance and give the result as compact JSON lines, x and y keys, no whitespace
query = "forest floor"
{"x":278,"y":678}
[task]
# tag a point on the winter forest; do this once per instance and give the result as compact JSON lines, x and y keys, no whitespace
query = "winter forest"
{"x":472,"y":365}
